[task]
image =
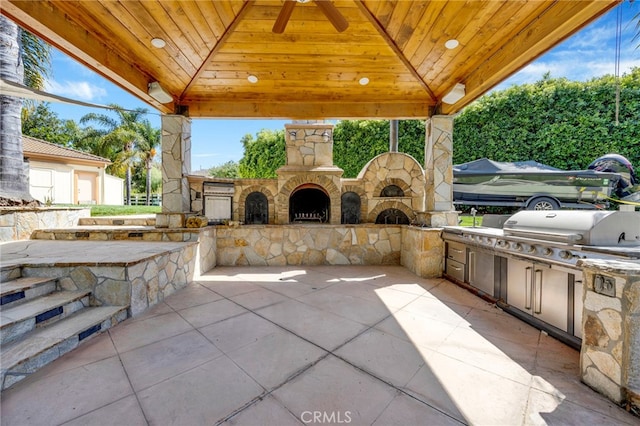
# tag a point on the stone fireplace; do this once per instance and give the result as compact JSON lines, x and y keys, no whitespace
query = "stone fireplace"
{"x":310,"y":190}
{"x":309,"y":185}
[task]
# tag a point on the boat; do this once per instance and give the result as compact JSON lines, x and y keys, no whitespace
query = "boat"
{"x":530,"y":184}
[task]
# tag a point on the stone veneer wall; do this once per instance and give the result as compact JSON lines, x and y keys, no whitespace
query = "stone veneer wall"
{"x":309,"y":245}
{"x":19,"y":223}
{"x":420,"y":250}
{"x":610,"y":354}
{"x":140,"y":285}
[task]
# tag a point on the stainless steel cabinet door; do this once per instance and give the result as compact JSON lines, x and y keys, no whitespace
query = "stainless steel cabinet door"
{"x":519,"y":282}
{"x":481,"y":271}
{"x":551,"y":296}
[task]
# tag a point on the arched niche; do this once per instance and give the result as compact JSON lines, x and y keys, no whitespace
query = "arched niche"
{"x":392,"y":217}
{"x":350,"y":208}
{"x":256,"y":209}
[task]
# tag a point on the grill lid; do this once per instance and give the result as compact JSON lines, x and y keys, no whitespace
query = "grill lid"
{"x":591,"y":228}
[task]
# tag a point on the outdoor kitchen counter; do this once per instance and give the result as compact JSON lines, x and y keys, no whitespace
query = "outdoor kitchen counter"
{"x":610,"y":308}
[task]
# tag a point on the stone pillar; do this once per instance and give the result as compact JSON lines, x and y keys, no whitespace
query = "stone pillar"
{"x":610,"y":353}
{"x":438,"y":168}
{"x":176,"y":166}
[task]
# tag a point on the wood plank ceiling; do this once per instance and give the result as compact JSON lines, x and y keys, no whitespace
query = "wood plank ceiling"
{"x":311,"y":70}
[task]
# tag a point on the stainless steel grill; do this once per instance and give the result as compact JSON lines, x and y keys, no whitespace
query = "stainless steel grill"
{"x":586,"y":228}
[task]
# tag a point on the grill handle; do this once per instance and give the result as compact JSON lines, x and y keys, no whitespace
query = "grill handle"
{"x":542,"y":235}
{"x":472,"y":267}
{"x":527,"y":287}
{"x":537,"y":292}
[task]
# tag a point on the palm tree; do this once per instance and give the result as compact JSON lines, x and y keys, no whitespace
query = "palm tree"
{"x":147,"y":150}
{"x":118,"y":137}
{"x":21,"y":54}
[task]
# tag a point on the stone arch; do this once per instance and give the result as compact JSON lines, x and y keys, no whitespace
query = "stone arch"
{"x":389,"y":204}
{"x":404,"y":186}
{"x":395,"y":168}
{"x":296,"y":181}
{"x":309,"y":201}
{"x":242,"y":199}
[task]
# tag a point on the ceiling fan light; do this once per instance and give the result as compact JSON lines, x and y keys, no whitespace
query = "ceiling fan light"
{"x":252,"y":79}
{"x":455,"y":94}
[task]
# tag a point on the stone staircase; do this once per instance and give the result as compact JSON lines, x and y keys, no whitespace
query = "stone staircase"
{"x":39,"y":322}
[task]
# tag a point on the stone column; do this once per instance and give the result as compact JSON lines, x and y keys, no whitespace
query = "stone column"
{"x":438,"y":167}
{"x":176,"y":166}
{"x":610,"y":353}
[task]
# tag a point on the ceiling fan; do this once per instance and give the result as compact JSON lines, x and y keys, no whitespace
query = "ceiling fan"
{"x":331,"y":12}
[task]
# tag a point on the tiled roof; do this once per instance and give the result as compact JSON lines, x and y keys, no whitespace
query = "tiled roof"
{"x":37,"y":146}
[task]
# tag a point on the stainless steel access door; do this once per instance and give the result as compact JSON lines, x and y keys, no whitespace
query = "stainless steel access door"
{"x":539,"y":291}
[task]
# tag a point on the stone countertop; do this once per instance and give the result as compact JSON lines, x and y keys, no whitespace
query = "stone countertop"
{"x":67,"y":253}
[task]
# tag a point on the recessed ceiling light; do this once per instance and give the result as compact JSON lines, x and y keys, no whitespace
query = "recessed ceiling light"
{"x":158,"y":42}
{"x":363,"y":81}
{"x":451,"y":44}
{"x":252,"y":78}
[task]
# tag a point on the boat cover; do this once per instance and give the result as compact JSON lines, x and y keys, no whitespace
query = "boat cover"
{"x":486,"y":166}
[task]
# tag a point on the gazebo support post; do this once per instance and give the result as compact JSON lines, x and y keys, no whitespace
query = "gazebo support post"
{"x":438,"y":158}
{"x":176,"y":166}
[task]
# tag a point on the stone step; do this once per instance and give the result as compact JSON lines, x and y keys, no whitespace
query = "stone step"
{"x":118,"y":233}
{"x":25,"y":317}
{"x":24,"y":289}
{"x":134,"y":220}
{"x":43,"y":345}
{"x":8,"y":273}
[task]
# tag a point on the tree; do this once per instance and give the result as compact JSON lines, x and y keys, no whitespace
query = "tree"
{"x":14,"y":65}
{"x":226,"y":170}
{"x":41,"y":122}
{"x":116,"y":139}
{"x":356,"y":142}
{"x":146,"y":147}
{"x":263,"y":155}
{"x":562,"y":123}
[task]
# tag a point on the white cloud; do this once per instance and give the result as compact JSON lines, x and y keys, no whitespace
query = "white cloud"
{"x":80,"y":90}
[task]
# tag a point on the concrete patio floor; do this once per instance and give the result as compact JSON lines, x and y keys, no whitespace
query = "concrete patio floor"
{"x":314,"y":345}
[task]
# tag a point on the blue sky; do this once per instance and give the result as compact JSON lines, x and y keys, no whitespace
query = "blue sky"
{"x":589,"y":53}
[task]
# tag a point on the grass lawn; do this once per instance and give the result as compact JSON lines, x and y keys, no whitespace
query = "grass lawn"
{"x":466,"y":220}
{"x":124,"y":210}
{"x":101,"y":210}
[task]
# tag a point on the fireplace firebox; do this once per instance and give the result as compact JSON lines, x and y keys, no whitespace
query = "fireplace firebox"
{"x":309,"y":203}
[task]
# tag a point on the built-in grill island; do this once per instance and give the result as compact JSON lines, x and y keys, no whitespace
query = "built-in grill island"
{"x":531,"y":267}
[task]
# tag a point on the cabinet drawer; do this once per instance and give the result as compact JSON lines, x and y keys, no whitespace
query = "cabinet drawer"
{"x":457,"y":252}
{"x":455,"y":270}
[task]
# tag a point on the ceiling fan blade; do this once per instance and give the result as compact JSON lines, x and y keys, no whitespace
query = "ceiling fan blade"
{"x":333,"y":14}
{"x":283,"y":17}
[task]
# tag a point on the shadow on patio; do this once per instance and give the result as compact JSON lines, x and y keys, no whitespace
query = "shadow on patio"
{"x":319,"y":344}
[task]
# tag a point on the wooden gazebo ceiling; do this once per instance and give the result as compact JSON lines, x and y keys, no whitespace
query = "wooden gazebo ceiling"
{"x":310,"y":70}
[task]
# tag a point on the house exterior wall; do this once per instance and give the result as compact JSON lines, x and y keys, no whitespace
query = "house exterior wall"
{"x":57,"y":183}
{"x":113,"y":193}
